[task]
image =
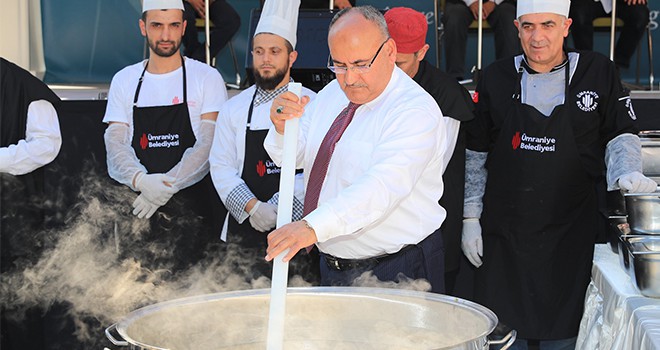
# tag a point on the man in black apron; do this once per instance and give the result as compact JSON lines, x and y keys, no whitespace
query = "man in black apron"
{"x":244,"y":175}
{"x":29,"y":139}
{"x":549,"y":124}
{"x":408,"y":28}
{"x":166,"y":157}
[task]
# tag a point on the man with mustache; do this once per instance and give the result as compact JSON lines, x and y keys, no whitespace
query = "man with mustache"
{"x":550,"y":125}
{"x":372,"y":145}
{"x":161,"y":114}
{"x":245,"y":177}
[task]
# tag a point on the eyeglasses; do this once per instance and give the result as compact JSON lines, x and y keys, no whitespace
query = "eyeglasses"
{"x":362,"y":69}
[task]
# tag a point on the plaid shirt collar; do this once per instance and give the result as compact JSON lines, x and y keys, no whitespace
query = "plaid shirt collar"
{"x":265,"y":96}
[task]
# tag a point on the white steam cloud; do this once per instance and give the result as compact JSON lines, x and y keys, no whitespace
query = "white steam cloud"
{"x":84,"y":266}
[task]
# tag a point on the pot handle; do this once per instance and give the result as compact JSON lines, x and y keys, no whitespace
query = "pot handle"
{"x":112,"y":339}
{"x":508,"y":339}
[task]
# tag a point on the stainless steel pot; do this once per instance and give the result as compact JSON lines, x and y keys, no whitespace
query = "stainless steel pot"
{"x":643,"y":212}
{"x":650,"y":154}
{"x":316,"y":318}
{"x":642,"y":262}
{"x":614,"y":228}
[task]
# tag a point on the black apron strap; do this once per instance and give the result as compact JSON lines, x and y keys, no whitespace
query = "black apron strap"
{"x":139,"y":85}
{"x":185,"y":82}
{"x":249,"y":117}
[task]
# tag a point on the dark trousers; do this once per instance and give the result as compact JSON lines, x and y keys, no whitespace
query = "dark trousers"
{"x":422,"y":261}
{"x":635,"y":19}
{"x":226,"y":23}
{"x":456,"y":20}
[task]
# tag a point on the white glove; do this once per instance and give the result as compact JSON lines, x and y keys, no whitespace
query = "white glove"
{"x":154,"y":187}
{"x":635,"y":182}
{"x":263,"y":216}
{"x":471,"y":242}
{"x":143,"y":208}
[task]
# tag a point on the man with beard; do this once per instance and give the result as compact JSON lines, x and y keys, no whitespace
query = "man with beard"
{"x":244,"y":175}
{"x":161,"y":114}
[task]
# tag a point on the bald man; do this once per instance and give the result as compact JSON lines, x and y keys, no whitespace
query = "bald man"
{"x":371,"y":200}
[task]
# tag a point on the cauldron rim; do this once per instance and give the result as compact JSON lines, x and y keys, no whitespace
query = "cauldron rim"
{"x":364,"y":292}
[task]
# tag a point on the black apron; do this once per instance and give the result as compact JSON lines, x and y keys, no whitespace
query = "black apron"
{"x":191,"y":219}
{"x":262,"y":176}
{"x":538,"y":221}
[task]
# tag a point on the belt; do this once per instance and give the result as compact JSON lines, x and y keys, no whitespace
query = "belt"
{"x":340,"y":264}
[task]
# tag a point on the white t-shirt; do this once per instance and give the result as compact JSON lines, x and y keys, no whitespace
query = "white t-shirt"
{"x":206,"y":91}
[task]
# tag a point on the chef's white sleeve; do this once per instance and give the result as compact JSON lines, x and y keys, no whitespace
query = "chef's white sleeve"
{"x":123,"y":163}
{"x":475,"y":183}
{"x":623,"y":155}
{"x":41,"y":145}
{"x":194,"y":163}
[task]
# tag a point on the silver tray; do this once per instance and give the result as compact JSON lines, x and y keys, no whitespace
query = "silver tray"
{"x":640,"y":257}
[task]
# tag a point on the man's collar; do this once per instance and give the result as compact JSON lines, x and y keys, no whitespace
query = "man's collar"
{"x":265,"y":96}
{"x":397,"y":73}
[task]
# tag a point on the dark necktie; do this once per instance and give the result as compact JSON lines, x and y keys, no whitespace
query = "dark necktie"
{"x":320,"y":167}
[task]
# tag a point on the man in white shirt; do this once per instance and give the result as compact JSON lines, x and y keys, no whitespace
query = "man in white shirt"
{"x":244,"y":175}
{"x":161,"y":114}
{"x":29,"y":139}
{"x":378,"y":204}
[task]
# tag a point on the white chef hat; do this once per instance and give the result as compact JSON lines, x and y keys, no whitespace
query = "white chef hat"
{"x":161,"y":5}
{"x":280,"y":17}
{"x":560,"y":7}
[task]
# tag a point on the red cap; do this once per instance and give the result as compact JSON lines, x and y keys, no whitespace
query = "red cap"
{"x":408,"y":28}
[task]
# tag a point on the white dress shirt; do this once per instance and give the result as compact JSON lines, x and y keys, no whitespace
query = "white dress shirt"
{"x":384,"y":179}
{"x":41,"y":144}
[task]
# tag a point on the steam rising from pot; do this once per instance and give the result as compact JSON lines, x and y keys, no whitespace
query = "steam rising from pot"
{"x":84,"y":265}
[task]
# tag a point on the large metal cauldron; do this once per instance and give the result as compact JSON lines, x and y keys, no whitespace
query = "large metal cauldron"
{"x":317,"y":318}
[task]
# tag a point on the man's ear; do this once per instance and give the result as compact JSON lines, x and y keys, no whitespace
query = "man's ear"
{"x":421,"y":53}
{"x":293,"y":56}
